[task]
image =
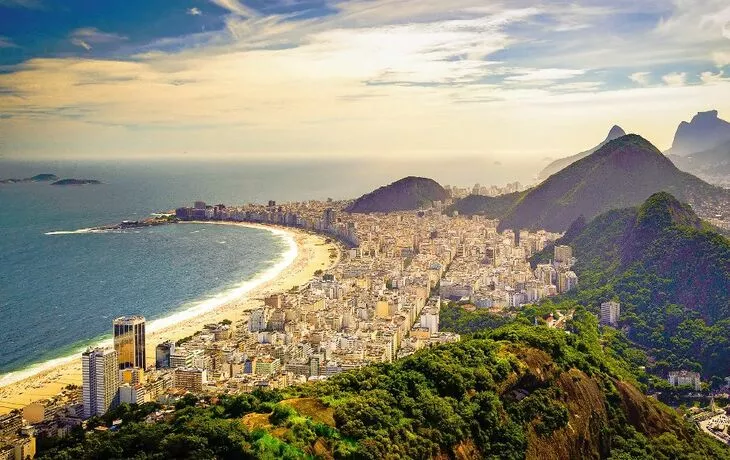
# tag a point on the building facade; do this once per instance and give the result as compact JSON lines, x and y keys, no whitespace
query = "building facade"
{"x":610,"y":313}
{"x":129,"y":341}
{"x":100,"y":381}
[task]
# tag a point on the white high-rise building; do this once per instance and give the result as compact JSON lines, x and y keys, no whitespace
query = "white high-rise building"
{"x":610,"y":312}
{"x":100,"y":381}
{"x":563,"y":255}
{"x":430,"y":320}
{"x":258,"y":319}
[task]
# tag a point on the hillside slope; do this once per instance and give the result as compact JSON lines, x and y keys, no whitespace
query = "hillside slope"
{"x":622,"y":173}
{"x":407,"y":194}
{"x":492,"y":207}
{"x":712,"y":165}
{"x":516,"y":392}
{"x":670,"y":272}
{"x":557,"y":165}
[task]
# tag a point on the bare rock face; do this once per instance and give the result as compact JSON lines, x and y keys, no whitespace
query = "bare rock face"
{"x":705,"y":131}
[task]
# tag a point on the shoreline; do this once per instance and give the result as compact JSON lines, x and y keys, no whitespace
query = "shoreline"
{"x":307,"y":253}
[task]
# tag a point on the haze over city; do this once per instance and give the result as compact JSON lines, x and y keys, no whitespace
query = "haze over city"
{"x":506,"y":81}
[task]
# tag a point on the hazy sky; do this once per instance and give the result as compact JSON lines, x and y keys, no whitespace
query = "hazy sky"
{"x":510,"y":81}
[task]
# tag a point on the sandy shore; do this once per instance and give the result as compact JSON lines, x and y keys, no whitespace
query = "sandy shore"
{"x":313,"y":253}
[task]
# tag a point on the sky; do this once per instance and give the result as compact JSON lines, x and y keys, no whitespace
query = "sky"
{"x":412,"y":80}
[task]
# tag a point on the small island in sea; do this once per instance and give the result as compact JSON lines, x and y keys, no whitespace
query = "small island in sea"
{"x":76,"y":182}
{"x":36,"y":178}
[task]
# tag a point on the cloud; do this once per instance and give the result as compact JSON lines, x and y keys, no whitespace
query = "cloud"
{"x":544,"y":75}
{"x":88,"y":37}
{"x":641,"y":78}
{"x":369,"y":76}
{"x":709,"y":78}
{"x":194,"y":12}
{"x":236,"y":7}
{"x":718,"y":20}
{"x":721,"y":58}
{"x":675,"y":78}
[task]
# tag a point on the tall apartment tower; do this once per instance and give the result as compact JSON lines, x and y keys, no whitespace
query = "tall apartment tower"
{"x":100,"y":381}
{"x":129,"y":341}
{"x":610,"y":312}
{"x":563,"y":254}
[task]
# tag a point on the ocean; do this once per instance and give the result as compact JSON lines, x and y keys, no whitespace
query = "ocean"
{"x":60,"y":288}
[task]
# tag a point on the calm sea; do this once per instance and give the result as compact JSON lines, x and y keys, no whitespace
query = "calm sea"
{"x":60,"y":292}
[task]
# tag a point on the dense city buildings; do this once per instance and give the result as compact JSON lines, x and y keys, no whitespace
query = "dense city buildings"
{"x":129,"y":341}
{"x":100,"y":373}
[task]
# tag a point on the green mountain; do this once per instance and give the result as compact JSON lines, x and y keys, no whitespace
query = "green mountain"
{"x":516,"y":392}
{"x":492,"y":207}
{"x":557,"y":165}
{"x":408,"y":194}
{"x":622,"y":173}
{"x":671,"y":273}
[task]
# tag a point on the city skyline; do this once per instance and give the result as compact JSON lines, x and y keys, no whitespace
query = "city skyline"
{"x":345,"y":79}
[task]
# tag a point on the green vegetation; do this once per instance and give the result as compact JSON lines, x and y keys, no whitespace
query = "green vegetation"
{"x":455,"y":318}
{"x":492,"y":207}
{"x":670,"y":272}
{"x":407,"y":194}
{"x":515,"y":392}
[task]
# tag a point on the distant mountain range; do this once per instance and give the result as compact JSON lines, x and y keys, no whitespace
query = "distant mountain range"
{"x":704,"y":132}
{"x":712,"y":165}
{"x":557,"y":165}
{"x":701,"y":147}
{"x":669,"y":270}
{"x":624,"y":172}
{"x":408,"y":194}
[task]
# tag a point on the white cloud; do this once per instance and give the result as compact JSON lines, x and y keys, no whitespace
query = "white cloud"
{"x":544,"y":75}
{"x":236,"y":7}
{"x":87,"y":37}
{"x":194,"y":12}
{"x":675,"y":78}
{"x":641,"y":78}
{"x":81,"y":43}
{"x":709,"y":78}
{"x":721,"y":58}
{"x":718,"y":20}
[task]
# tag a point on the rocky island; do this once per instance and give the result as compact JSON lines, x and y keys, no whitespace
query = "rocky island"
{"x":36,"y":178}
{"x":77,"y":182}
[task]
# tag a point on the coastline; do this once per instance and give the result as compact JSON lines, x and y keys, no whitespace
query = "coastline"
{"x":307,"y":253}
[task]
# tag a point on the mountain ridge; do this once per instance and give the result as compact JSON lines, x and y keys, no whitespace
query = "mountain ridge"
{"x":622,"y":173}
{"x":614,"y":133}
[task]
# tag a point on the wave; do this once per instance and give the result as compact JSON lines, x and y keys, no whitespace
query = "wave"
{"x":197,"y":308}
{"x":80,"y":231}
